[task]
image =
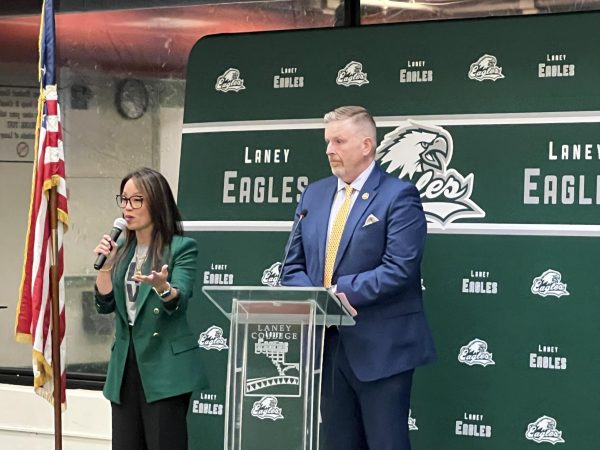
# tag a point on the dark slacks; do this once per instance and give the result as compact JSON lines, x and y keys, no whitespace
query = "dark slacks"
{"x":361,"y":415}
{"x":138,"y":425}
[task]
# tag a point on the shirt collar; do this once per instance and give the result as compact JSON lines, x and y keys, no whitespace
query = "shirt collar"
{"x":360,"y":181}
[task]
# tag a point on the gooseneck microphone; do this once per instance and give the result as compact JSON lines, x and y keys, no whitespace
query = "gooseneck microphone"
{"x":301,"y":216}
{"x":118,"y":226}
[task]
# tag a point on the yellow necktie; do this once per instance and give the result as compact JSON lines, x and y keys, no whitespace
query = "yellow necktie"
{"x":336,"y":235}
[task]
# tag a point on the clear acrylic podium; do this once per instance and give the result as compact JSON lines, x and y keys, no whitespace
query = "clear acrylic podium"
{"x":274,"y":368}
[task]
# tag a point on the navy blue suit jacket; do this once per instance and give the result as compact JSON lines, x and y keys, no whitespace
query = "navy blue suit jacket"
{"x":377,"y":267}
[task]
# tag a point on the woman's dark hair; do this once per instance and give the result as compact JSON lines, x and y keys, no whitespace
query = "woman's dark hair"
{"x":163,"y":211}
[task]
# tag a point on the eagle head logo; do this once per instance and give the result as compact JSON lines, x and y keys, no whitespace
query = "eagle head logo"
{"x":413,"y":148}
{"x":475,"y":353}
{"x":549,"y":283}
{"x":212,"y":338}
{"x":485,"y":68}
{"x":422,"y":153}
{"x":230,"y":81}
{"x":352,"y":75}
{"x":544,"y":430}
{"x":266,"y":408}
{"x":270,"y":276}
{"x":412,"y":422}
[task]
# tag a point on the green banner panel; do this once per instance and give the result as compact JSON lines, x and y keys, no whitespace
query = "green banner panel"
{"x":519,"y":64}
{"x":497,"y":123}
{"x":518,"y":173}
{"x":510,"y":351}
{"x":225,"y":258}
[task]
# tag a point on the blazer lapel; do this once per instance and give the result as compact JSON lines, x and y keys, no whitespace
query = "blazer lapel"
{"x":143,"y":288}
{"x":119,"y":283}
{"x":369,"y":190}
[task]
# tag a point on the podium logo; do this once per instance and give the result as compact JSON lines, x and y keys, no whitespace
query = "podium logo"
{"x":544,"y":430}
{"x":270,"y":276}
{"x":412,"y":423}
{"x":423,"y":153}
{"x":212,"y":339}
{"x":485,"y":68}
{"x":268,"y":369}
{"x":266,"y":408}
{"x":549,"y":283}
{"x":475,"y":353}
{"x":230,"y":81}
{"x":352,"y":75}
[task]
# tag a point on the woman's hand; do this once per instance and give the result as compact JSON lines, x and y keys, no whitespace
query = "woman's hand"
{"x":108,"y":248}
{"x":157,"y":280}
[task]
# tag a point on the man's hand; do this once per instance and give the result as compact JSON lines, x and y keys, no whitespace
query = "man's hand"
{"x":346,"y":303}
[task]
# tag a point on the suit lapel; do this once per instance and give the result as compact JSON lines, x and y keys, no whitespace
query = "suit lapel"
{"x":369,"y":190}
{"x":323,"y":210}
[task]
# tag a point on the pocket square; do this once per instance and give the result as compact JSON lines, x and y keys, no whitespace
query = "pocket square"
{"x":370,"y":220}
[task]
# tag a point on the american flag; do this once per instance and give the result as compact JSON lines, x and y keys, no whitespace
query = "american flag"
{"x":34,"y":317}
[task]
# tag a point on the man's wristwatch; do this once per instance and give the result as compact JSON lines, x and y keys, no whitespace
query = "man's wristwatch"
{"x":164,"y":294}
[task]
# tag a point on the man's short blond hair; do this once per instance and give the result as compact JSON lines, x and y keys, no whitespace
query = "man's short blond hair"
{"x":359,"y":115}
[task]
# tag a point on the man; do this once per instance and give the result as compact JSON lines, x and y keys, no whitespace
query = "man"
{"x":363,"y":236}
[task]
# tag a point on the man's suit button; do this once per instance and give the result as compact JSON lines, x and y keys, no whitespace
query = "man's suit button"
{"x":156,"y":333}
{"x":156,"y":311}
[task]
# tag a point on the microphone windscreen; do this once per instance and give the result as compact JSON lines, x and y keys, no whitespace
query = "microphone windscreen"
{"x":120,"y":223}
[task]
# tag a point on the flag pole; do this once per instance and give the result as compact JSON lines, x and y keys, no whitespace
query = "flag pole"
{"x":56,"y":372}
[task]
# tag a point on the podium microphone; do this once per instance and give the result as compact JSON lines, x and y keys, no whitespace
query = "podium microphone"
{"x":301,"y":216}
{"x":118,"y":226}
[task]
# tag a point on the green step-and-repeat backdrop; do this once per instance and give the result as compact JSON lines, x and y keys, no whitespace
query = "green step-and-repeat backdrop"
{"x":497,"y":122}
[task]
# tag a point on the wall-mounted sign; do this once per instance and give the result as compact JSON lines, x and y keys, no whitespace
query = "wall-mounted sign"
{"x":18,"y":113}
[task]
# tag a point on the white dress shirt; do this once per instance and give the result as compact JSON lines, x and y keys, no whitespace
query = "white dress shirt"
{"x":338,"y":199}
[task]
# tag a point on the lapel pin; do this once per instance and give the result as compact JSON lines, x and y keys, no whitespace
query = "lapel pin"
{"x":365,"y":196}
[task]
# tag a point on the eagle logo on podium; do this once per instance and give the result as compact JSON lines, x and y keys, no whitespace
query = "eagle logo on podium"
{"x":266,"y":408}
{"x":279,"y":377}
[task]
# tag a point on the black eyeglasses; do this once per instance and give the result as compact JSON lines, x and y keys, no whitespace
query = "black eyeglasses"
{"x":136,"y":201}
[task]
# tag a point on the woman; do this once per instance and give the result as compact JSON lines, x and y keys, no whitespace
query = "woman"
{"x":147,"y":280}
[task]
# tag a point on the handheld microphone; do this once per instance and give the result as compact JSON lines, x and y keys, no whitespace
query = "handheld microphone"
{"x":301,"y":216}
{"x":118,"y":226}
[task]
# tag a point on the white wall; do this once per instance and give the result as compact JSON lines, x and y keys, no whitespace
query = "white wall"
{"x":100,"y":148}
{"x":27,"y":420}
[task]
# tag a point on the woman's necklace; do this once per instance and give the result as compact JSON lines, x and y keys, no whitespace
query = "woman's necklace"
{"x":140,"y":258}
